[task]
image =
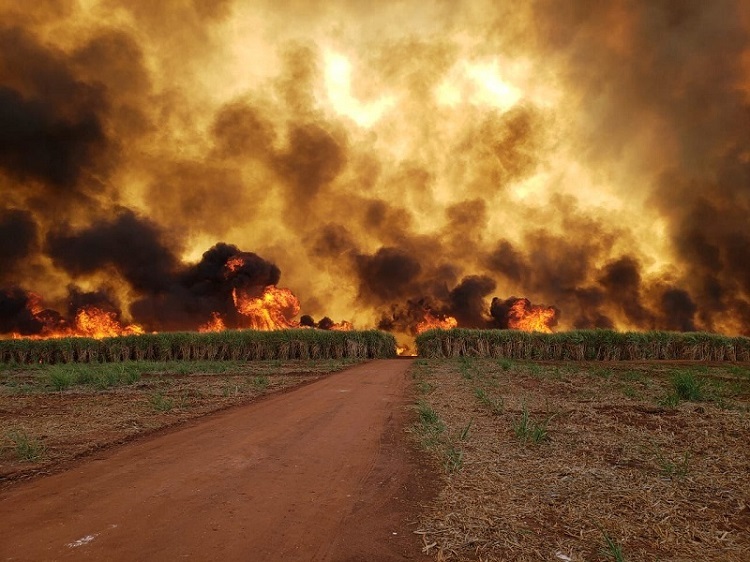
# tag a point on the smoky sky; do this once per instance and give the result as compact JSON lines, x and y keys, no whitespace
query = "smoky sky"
{"x":379,"y":163}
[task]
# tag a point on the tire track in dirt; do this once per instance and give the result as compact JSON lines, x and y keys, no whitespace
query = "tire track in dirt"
{"x":319,"y":473}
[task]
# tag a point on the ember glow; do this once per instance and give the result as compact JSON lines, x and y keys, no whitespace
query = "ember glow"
{"x":164,"y":163}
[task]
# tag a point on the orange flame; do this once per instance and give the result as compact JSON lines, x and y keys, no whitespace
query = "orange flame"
{"x":216,"y":324}
{"x":530,"y":317}
{"x":431,"y":322}
{"x":343,"y":326}
{"x":234,"y":263}
{"x":273,"y":310}
{"x":89,"y":322}
{"x":93,"y":322}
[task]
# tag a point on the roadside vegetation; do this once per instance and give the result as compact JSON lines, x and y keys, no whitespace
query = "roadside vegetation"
{"x":585,"y":461}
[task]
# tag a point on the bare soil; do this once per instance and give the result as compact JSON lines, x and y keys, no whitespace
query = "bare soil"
{"x":621,"y":467}
{"x":322,"y":472}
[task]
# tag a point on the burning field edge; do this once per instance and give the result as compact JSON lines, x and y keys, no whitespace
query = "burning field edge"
{"x":209,"y":346}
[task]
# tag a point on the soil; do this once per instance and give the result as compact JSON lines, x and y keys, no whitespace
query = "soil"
{"x":322,"y":472}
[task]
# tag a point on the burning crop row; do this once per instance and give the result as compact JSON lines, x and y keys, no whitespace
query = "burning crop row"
{"x":232,"y":289}
{"x":233,"y":345}
{"x":583,"y":345}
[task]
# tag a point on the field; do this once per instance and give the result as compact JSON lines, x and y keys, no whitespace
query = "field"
{"x":625,"y":447}
{"x":586,"y":461}
{"x":50,"y":414}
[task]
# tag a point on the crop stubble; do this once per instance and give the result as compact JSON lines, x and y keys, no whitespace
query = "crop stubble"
{"x":663,"y":480}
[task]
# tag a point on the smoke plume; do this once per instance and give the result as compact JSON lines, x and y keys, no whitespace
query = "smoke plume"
{"x":402,"y":165}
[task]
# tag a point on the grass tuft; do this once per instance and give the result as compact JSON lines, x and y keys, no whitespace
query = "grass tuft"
{"x":612,"y":549}
{"x":688,"y":387}
{"x":528,"y":430}
{"x":161,"y":403}
{"x":27,"y":449}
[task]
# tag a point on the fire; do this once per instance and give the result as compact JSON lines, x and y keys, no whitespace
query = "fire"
{"x":431,"y":322}
{"x":89,"y":322}
{"x":96,"y":323}
{"x":216,"y":324}
{"x":274,"y":309}
{"x":530,"y":317}
{"x":343,"y":326}
{"x":234,"y":264}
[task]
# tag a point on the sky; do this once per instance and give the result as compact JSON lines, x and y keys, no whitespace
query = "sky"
{"x":379,"y":159}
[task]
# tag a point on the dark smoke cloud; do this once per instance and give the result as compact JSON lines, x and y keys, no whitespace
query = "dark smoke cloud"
{"x":467,"y":301}
{"x":389,"y":274}
{"x":131,"y":245}
{"x":18,"y":238}
{"x":622,"y":281}
{"x":102,"y":299}
{"x":200,"y":290}
{"x":15,"y":313}
{"x":678,"y":309}
{"x":50,"y":125}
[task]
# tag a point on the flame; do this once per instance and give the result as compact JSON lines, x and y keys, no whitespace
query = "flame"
{"x":273,"y":310}
{"x":431,"y":322}
{"x":234,"y":264}
{"x":216,"y":324}
{"x":96,"y":323}
{"x":530,"y":317}
{"x":343,"y":326}
{"x":89,"y":322}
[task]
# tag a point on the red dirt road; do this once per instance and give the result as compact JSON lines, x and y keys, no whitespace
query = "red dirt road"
{"x":319,"y":473}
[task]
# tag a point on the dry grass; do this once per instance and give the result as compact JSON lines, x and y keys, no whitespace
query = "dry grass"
{"x":63,"y":425}
{"x":624,"y":472}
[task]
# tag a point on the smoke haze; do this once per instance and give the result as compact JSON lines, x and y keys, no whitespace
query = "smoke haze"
{"x":379,"y":161}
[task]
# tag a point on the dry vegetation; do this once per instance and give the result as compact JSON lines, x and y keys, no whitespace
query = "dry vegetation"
{"x":585,"y":461}
{"x":50,"y":414}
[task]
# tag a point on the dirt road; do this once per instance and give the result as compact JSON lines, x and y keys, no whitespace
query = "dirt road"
{"x":319,"y":473}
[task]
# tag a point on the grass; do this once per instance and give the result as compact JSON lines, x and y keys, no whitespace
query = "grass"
{"x":260,"y":383}
{"x":161,"y":403}
{"x":464,"y":434}
{"x":431,"y":427}
{"x":674,"y":470}
{"x":494,"y":405}
{"x":454,"y":458}
{"x":528,"y":430}
{"x":611,"y":548}
{"x":26,"y":448}
{"x":688,"y":387}
{"x":432,"y":432}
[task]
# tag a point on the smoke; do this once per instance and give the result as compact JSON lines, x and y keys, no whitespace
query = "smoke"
{"x":199,"y":290}
{"x":391,"y":162}
{"x":18,"y":237}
